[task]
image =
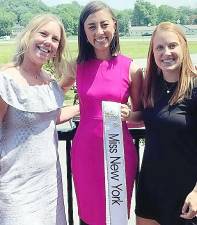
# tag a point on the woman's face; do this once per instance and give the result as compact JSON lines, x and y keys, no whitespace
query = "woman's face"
{"x":100,"y":28}
{"x":167,"y":51}
{"x":44,"y":43}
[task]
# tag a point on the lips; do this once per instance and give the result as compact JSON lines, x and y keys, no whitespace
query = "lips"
{"x":42,"y":49}
{"x":101,"y":39}
{"x":168,"y":61}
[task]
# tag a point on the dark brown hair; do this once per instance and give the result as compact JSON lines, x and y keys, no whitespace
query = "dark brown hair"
{"x":86,"y":50}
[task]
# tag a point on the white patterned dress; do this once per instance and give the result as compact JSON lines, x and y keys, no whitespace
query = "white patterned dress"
{"x":30,"y":175}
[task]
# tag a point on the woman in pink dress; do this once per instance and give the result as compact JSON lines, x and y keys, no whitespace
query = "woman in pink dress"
{"x":101,"y":74}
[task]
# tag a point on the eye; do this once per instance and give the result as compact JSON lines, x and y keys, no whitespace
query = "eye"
{"x":159,"y":48}
{"x":93,"y":27}
{"x":105,"y":25}
{"x":172,"y":45}
{"x":43,"y":34}
{"x":55,"y":39}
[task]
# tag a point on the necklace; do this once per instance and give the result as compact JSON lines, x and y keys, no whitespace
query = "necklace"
{"x":169,"y":86}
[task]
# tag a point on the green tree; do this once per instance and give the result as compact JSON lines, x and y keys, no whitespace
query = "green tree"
{"x":166,"y":13}
{"x":193,"y":19}
{"x":25,"y":18}
{"x":7,"y":20}
{"x":144,"y":14}
{"x":21,"y":7}
{"x":183,"y":14}
{"x":124,"y":20}
{"x":69,"y":14}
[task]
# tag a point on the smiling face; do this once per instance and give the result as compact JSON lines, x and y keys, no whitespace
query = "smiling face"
{"x":44,"y":43}
{"x":168,"y":52}
{"x":99,"y":29}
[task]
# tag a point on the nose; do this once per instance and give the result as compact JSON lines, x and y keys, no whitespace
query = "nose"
{"x":167,"y":50}
{"x":99,"y":30}
{"x":48,"y":40}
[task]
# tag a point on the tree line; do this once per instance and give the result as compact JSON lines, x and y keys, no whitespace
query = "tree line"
{"x":16,"y":14}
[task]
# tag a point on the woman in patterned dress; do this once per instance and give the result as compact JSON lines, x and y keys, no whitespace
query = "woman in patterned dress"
{"x":30,"y":103}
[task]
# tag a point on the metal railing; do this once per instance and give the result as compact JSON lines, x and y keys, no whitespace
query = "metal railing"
{"x":137,"y":135}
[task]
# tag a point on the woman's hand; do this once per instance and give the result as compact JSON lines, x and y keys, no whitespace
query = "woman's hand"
{"x":135,"y":117}
{"x":189,"y":209}
{"x":125,"y":112}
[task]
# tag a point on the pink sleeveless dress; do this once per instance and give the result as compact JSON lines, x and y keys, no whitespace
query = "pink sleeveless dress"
{"x":99,"y":80}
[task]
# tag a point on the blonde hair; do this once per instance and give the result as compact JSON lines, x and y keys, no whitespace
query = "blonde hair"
{"x":24,"y":38}
{"x":152,"y":73}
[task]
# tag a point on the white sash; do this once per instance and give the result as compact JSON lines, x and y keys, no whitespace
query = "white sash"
{"x":115,"y":181}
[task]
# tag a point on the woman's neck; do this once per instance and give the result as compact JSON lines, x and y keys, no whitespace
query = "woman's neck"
{"x":31,"y":69}
{"x":171,"y":76}
{"x":103,"y":55}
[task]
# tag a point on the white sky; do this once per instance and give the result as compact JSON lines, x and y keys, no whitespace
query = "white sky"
{"x":126,"y":4}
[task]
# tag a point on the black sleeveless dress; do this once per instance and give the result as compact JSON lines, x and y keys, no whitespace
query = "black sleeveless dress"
{"x":169,"y":167}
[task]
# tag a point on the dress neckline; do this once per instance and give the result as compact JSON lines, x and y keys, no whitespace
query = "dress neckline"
{"x":106,"y":60}
{"x":25,"y":86}
{"x":169,"y":87}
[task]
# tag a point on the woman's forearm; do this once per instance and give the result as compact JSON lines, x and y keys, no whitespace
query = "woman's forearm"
{"x":135,"y":117}
{"x":67,"y":113}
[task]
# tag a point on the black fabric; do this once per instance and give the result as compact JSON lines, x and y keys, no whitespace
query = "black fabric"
{"x":169,"y":166}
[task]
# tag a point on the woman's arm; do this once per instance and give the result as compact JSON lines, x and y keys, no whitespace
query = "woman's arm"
{"x":67,"y":113}
{"x":69,"y":78}
{"x":136,"y":92}
{"x":3,"y":110}
{"x":66,"y":83}
{"x":189,"y":209}
{"x":133,"y":113}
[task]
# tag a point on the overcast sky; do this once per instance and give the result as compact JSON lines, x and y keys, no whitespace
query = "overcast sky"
{"x":126,"y":4}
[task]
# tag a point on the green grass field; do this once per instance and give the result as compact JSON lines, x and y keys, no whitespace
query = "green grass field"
{"x":132,"y":48}
{"x":129,"y":47}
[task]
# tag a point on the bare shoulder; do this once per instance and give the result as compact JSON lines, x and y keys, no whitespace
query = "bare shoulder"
{"x":135,"y":71}
{"x":7,"y":66}
{"x":68,"y":79}
{"x":9,"y":70}
{"x":47,"y":76}
{"x":71,"y":68}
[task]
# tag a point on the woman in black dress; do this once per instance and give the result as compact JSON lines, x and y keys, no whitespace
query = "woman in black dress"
{"x":167,"y":189}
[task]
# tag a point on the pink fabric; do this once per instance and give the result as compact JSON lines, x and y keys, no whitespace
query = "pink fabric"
{"x":97,"y":81}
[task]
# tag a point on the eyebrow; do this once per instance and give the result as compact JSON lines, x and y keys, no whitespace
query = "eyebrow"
{"x":92,"y":23}
{"x":174,"y":42}
{"x":43,"y":30}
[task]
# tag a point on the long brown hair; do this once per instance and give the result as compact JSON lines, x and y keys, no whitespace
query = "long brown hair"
{"x":152,"y":73}
{"x":86,"y":50}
